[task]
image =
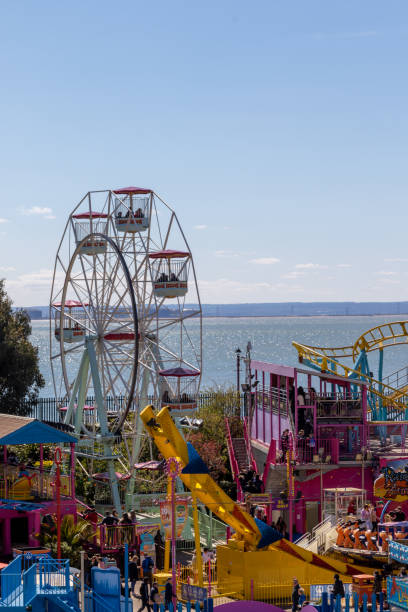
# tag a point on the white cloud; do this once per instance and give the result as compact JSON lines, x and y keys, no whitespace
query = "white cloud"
{"x":41,"y":211}
{"x":264,"y":261}
{"x":344,"y":266}
{"x":386,"y":273}
{"x":7,"y":269}
{"x":32,"y":288}
{"x":226,"y":254}
{"x":200,"y":227}
{"x":225,"y":290}
{"x":3,"y":220}
{"x":310,"y":266}
{"x":293,"y":274}
{"x":396,"y":260}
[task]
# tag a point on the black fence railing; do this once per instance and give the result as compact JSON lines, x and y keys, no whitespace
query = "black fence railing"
{"x":48,"y":408}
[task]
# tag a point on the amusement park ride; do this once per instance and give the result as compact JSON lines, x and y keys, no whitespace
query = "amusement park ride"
{"x":121,"y":332}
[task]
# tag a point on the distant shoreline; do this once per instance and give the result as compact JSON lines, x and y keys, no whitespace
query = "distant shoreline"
{"x":292,"y":316}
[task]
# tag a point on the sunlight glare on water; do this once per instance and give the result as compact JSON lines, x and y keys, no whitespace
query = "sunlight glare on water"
{"x":271,"y":339}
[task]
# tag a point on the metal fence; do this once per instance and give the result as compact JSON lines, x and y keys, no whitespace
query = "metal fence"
{"x":48,"y":408}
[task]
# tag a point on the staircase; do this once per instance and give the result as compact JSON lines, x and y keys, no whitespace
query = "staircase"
{"x":276,"y":480}
{"x":240,"y":452}
{"x":46,"y":578}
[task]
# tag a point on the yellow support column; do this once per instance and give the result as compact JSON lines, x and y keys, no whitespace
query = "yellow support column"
{"x":199,"y":559}
{"x":167,"y":543}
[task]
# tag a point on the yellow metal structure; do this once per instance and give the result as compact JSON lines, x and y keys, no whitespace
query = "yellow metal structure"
{"x":170,"y":443}
{"x":240,"y":561}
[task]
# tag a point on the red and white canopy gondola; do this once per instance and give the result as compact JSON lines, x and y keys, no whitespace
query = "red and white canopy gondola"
{"x":180,"y":388}
{"x":170,"y":273}
{"x":90,"y":222}
{"x":132,"y":209}
{"x":73,"y":318}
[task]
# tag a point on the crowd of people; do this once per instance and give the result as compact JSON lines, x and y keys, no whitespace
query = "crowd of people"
{"x":250,"y":481}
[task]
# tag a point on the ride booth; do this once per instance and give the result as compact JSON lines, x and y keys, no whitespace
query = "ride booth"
{"x":28,"y":493}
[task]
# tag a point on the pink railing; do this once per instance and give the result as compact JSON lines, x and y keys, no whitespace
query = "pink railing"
{"x":115,"y":536}
{"x":307,"y":453}
{"x":233,"y":462}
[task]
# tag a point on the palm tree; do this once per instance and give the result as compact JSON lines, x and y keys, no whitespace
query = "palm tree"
{"x":73,"y":537}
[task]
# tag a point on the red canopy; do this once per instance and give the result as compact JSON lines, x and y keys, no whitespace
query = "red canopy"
{"x":179,"y":372}
{"x":149,"y":465}
{"x":90,"y":215}
{"x":168,"y":254}
{"x":131,"y":190}
{"x":70,"y":304}
{"x":65,"y":408}
{"x":106,"y":476}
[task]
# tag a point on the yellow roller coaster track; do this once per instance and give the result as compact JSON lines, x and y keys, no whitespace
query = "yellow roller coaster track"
{"x":380,"y":337}
{"x":387,"y":334}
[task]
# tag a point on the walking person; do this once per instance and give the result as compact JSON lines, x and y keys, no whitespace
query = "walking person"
{"x":144,"y":595}
{"x":377,"y":585}
{"x":366,"y":517}
{"x":159,"y":547}
{"x":338,"y":587}
{"x":295,"y":595}
{"x":373,"y":514}
{"x":147,"y":567}
{"x":133,"y":574}
{"x":168,"y":594}
{"x":154,"y":594}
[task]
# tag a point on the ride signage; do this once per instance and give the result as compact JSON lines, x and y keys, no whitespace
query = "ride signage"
{"x":393,"y":481}
{"x":181,"y":513}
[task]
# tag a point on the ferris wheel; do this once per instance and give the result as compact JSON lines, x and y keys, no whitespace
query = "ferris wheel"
{"x":122,"y":333}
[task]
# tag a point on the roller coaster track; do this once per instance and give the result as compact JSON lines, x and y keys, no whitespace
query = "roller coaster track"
{"x":376,"y":338}
{"x":387,"y":334}
{"x":382,"y":336}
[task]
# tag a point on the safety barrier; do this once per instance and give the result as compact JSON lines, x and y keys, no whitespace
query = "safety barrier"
{"x":115,"y":536}
{"x":42,"y":484}
{"x":48,"y":408}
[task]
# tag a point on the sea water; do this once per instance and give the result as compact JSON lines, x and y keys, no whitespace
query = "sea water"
{"x":271,"y":339}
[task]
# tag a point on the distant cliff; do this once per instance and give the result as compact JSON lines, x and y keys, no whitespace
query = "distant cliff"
{"x":281,"y":309}
{"x":305,"y":309}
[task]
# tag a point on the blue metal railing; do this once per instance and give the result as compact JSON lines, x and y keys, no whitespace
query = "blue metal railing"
{"x":29,"y":586}
{"x":11,"y":577}
{"x":53,"y":574}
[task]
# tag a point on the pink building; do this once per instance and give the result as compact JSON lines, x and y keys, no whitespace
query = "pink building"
{"x":28,"y":493}
{"x":325,"y":420}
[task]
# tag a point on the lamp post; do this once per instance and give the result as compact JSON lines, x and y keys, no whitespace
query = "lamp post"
{"x":238,"y":354}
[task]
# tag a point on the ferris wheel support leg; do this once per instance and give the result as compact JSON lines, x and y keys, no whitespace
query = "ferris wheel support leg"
{"x":138,"y":429}
{"x":83,"y":376}
{"x":103,"y":422}
{"x":77,"y":383}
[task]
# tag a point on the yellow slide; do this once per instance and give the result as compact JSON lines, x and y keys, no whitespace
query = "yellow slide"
{"x":21,"y":489}
{"x":171,"y":443}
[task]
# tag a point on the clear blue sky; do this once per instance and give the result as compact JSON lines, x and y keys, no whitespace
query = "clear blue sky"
{"x":279,"y":126}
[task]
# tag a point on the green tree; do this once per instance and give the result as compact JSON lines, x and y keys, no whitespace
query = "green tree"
{"x":20,"y":376}
{"x":73,"y":537}
{"x":210,"y":440}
